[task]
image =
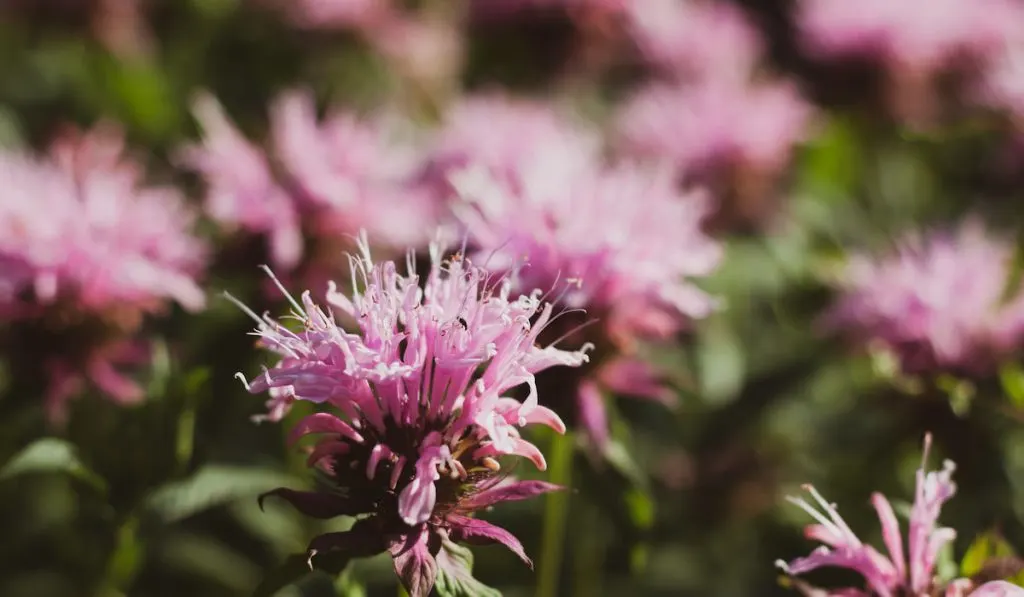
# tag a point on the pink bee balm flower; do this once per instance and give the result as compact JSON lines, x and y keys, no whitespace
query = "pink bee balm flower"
{"x":921,"y":36}
{"x":86,"y":250}
{"x":937,"y":301}
{"x":899,"y":572}
{"x":696,"y":40}
{"x":81,"y":227}
{"x":416,"y":406}
{"x":241,"y":189}
{"x":353,"y":173}
{"x":334,"y":14}
{"x":507,"y":135}
{"x":716,"y":126}
{"x":625,"y":243}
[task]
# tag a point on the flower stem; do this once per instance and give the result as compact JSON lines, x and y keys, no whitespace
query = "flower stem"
{"x":556,"y":514}
{"x":401,"y":591}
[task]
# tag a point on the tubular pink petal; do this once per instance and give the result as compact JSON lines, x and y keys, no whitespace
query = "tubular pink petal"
{"x":323,"y":423}
{"x":890,"y":533}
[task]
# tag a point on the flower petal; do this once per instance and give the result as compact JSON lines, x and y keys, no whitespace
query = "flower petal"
{"x":508,"y":492}
{"x":472,"y":530}
{"x":414,"y":562}
{"x":317,"y":505}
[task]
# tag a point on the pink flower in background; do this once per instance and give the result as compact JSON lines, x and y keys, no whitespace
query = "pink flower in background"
{"x":696,"y":40}
{"x":334,"y":14}
{"x":899,"y":572}
{"x":81,"y":227}
{"x":241,"y":189}
{"x":623,"y":243}
{"x":715,"y":126}
{"x":84,"y":244}
{"x":330,"y":178}
{"x":939,"y":301}
{"x":507,"y":135}
{"x":353,"y":173}
{"x":916,"y":35}
{"x":417,"y":409}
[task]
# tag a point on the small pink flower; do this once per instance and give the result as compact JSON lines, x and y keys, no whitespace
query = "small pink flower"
{"x":899,"y":572}
{"x":936,"y":300}
{"x":416,"y":404}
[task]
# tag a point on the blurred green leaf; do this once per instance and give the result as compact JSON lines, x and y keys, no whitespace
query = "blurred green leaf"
{"x":1011,"y":376}
{"x":210,"y":486}
{"x":206,"y":557}
{"x":720,"y":361}
{"x":48,"y":455}
{"x":984,"y":547}
{"x":961,"y":392}
{"x":455,"y":573}
{"x":297,"y":567}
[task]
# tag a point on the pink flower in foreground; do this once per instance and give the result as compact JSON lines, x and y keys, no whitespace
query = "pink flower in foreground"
{"x":416,"y":407}
{"x":899,"y":573}
{"x":624,"y":243}
{"x":696,"y":40}
{"x":938,"y":301}
{"x":716,"y":126}
{"x":86,"y":250}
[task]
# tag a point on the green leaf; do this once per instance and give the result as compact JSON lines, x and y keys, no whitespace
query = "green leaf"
{"x":961,"y":393}
{"x":211,"y":486}
{"x":985,"y":547}
{"x":721,"y":362}
{"x":1011,"y":376}
{"x":455,"y":573}
{"x":297,"y":567}
{"x":51,"y":455}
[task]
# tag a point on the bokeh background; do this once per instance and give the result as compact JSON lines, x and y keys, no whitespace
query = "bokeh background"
{"x":821,"y":132}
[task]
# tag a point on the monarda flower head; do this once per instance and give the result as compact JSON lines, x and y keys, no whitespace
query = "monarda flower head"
{"x":621,"y":242}
{"x":902,"y":573}
{"x":938,"y":301}
{"x":416,"y":412}
{"x":86,"y":249}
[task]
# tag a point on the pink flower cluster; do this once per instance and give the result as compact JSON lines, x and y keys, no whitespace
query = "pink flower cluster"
{"x":325,"y":178}
{"x":417,"y":403}
{"x":80,"y":234}
{"x":939,"y":301}
{"x":910,"y":573}
{"x":716,"y":119}
{"x":620,"y":241}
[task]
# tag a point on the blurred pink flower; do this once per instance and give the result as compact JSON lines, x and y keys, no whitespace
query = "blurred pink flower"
{"x":938,"y":301}
{"x":334,"y":14}
{"x":81,"y":227}
{"x":716,"y":125}
{"x":622,"y":243}
{"x":507,"y":135}
{"x":910,"y":573}
{"x":419,"y":405}
{"x":330,"y":179}
{"x":354,"y":173}
{"x":696,"y":40}
{"x":83,"y":244}
{"x":922,"y":36}
{"x":241,"y":190}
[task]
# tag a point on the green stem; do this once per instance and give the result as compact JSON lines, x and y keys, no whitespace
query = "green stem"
{"x":589,"y":553}
{"x":401,"y":591}
{"x":556,"y":514}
